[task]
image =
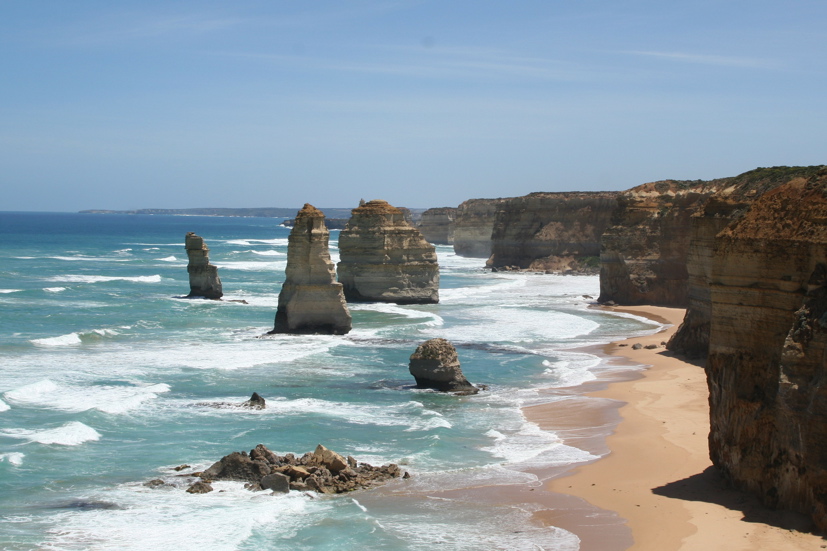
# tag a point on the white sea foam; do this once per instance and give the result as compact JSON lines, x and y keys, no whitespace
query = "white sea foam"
{"x":113,"y":399}
{"x":251,"y":266}
{"x":63,"y":340}
{"x":54,"y":289}
{"x":4,"y":406}
{"x":250,"y":242}
{"x":13,"y":458}
{"x":77,"y":278}
{"x":268,"y":253}
{"x":170,"y":258}
{"x":411,"y":313}
{"x":9,"y":291}
{"x":70,"y":434}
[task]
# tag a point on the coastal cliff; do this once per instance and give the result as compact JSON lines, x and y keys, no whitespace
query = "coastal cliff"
{"x":551,"y":231}
{"x":731,"y":199}
{"x":437,"y":225}
{"x":768,"y":339}
{"x":385,"y":259}
{"x":473,"y":227}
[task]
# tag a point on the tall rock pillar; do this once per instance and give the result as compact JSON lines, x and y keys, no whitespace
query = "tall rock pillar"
{"x":385,"y":259}
{"x":310,"y":300}
{"x":204,"y":280}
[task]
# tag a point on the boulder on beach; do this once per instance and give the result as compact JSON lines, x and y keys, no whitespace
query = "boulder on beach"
{"x":204,"y":280}
{"x":435,"y":365}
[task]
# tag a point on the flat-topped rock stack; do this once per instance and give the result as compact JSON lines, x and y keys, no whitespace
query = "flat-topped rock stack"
{"x":385,"y":259}
{"x":435,"y":365}
{"x":204,"y":280}
{"x":311,"y":301}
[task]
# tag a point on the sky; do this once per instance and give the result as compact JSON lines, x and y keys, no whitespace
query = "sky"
{"x":183,"y":103}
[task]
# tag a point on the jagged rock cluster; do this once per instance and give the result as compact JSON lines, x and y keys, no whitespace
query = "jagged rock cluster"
{"x":437,"y":225}
{"x":322,"y":470}
{"x":311,"y":301}
{"x":204,"y":280}
{"x":767,"y":347}
{"x":385,"y":259}
{"x":435,"y":364}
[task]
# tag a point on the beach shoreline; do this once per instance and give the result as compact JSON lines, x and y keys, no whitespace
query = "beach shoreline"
{"x":654,"y":488}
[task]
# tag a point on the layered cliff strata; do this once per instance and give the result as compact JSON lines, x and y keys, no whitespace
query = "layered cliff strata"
{"x":311,"y":301}
{"x":204,"y":280}
{"x":766,"y":369}
{"x":474,"y":225}
{"x":732,"y":198}
{"x":437,"y":225}
{"x":385,"y":259}
{"x":551,"y":231}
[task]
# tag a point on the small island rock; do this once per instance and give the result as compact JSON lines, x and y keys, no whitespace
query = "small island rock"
{"x":204,"y":280}
{"x":435,"y":364}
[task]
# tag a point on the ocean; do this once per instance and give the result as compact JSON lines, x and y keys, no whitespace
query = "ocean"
{"x":109,"y":379}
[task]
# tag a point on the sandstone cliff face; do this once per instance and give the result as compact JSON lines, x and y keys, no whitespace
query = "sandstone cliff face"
{"x":473,"y":226}
{"x":204,"y":280}
{"x":437,"y":225}
{"x":731,"y":198}
{"x":766,"y":369}
{"x":310,"y":300}
{"x":385,"y":259}
{"x":551,"y":231}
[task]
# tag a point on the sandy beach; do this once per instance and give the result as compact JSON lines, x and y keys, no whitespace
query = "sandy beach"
{"x":656,"y":489}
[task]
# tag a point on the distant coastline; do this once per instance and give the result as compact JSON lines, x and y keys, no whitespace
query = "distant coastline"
{"x":263,"y":212}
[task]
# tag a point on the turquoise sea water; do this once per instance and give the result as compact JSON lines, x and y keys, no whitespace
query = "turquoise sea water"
{"x":108,"y":379}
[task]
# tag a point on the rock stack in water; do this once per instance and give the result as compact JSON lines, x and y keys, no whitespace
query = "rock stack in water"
{"x":310,"y":300}
{"x":385,"y":259}
{"x":435,"y":364}
{"x":204,"y":280}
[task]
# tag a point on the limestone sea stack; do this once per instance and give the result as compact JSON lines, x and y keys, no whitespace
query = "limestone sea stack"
{"x":204,"y":280}
{"x":435,"y":364}
{"x":310,"y":300}
{"x":385,"y":259}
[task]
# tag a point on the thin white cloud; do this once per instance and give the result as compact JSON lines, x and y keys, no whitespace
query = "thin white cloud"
{"x":705,"y":59}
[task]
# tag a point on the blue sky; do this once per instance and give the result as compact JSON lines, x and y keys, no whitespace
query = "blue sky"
{"x":173,"y":104}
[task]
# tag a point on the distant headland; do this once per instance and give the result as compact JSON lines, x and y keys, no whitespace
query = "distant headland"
{"x":263,"y":212}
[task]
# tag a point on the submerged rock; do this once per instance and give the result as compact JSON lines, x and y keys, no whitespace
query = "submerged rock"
{"x":435,"y":364}
{"x":204,"y":280}
{"x":385,"y":259}
{"x":322,"y":470}
{"x":311,"y":301}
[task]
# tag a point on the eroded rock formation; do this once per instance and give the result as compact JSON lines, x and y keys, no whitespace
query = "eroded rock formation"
{"x":322,"y":470}
{"x":311,"y":301}
{"x":204,"y":280}
{"x":732,"y":198}
{"x":552,"y":231}
{"x":766,"y":368}
{"x":435,"y":364}
{"x":473,"y":226}
{"x":437,"y":225}
{"x":385,"y":259}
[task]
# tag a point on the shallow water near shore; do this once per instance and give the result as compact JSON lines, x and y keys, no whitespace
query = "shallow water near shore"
{"x":109,"y":379}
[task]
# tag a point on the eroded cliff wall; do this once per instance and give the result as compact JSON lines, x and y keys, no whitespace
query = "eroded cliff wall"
{"x":551,"y":231}
{"x":473,"y":226}
{"x":767,"y":365}
{"x":437,"y":225}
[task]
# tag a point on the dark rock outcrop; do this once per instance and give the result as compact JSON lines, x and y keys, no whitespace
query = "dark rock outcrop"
{"x":311,"y":301}
{"x":766,"y":368}
{"x":473,"y":226}
{"x":552,"y":231}
{"x":437,"y":225}
{"x":323,"y":471}
{"x":435,"y":365}
{"x":385,"y":259}
{"x":204,"y":280}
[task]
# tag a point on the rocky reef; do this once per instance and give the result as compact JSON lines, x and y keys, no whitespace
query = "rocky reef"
{"x":767,"y":343}
{"x":323,"y":471}
{"x":437,"y":225}
{"x":435,"y":365}
{"x":385,"y":259}
{"x":473,"y":226}
{"x":311,"y":301}
{"x":204,"y":280}
{"x":551,"y":231}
